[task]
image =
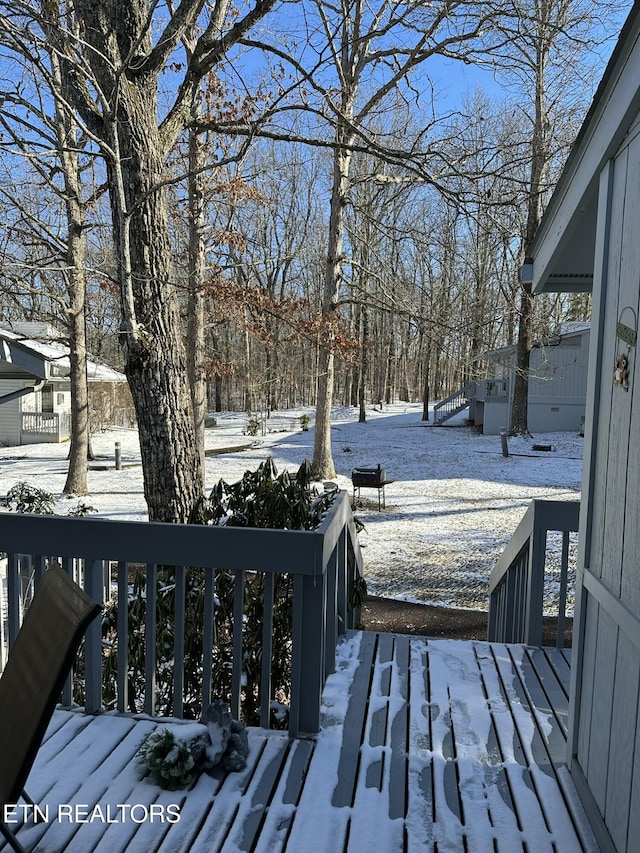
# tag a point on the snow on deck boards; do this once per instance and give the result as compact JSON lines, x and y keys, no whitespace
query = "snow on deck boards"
{"x":427,"y":745}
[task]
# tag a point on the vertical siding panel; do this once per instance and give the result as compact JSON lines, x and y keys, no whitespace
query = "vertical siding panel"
{"x":630,"y":585}
{"x":586,"y":697}
{"x":602,"y":562}
{"x":602,"y":707}
{"x":10,"y":413}
{"x":619,"y":432}
{"x":633,"y":793}
{"x":623,"y":731}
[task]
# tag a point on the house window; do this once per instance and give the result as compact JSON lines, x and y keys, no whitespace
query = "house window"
{"x":47,"y":398}
{"x":60,"y":399}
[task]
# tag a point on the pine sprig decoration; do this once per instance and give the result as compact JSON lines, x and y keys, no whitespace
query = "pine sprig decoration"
{"x":169,"y":761}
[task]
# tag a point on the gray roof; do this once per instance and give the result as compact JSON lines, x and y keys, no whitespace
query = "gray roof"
{"x":29,"y":359}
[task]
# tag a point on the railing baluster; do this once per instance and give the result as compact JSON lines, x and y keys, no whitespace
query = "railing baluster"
{"x":238,"y":618}
{"x":309,"y":605}
{"x":67,"y":690}
{"x":335,"y":560}
{"x":343,"y":582}
{"x":93,"y":638}
{"x":562,"y":605}
{"x":208,"y":609}
{"x":122,"y":627}
{"x":39,"y":567}
{"x":151,"y":627}
{"x":535,"y":591}
{"x":14,"y":595}
{"x":179,"y":597}
{"x":267,"y":651}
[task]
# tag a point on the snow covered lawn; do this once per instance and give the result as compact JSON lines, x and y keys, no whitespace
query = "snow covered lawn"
{"x":454,"y":503}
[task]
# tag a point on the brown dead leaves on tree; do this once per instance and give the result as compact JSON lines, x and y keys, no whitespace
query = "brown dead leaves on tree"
{"x":261,"y":313}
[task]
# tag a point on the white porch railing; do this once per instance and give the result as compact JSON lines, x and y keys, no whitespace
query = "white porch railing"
{"x":493,"y":390}
{"x":44,"y":426}
{"x":516,"y":586}
{"x":326,"y":566}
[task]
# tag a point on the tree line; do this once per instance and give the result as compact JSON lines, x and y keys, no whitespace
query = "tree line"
{"x":276,"y":204}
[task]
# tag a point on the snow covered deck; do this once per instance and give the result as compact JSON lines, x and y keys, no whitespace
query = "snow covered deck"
{"x":426,"y":745}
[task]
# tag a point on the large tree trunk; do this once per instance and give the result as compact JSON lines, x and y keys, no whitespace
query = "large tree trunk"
{"x":539,"y":158}
{"x":322,"y":463}
{"x":520,"y":402}
{"x":66,"y":135}
{"x":195,"y":300}
{"x":323,"y":466}
{"x":135,"y":152}
{"x":364,"y":365}
{"x":76,"y":482}
{"x":151,"y":335}
{"x":156,"y":370}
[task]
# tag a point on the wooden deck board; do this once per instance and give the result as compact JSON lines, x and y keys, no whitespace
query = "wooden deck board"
{"x":433,"y":745}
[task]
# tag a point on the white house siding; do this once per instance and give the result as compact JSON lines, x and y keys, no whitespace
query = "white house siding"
{"x":607,"y":710}
{"x":10,"y":413}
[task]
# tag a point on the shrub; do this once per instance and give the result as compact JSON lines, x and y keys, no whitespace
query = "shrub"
{"x":262,"y":498}
{"x":26,"y":498}
{"x":254,"y":425}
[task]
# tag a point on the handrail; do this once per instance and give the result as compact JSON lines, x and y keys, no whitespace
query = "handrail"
{"x":453,"y":404}
{"x":492,"y":390}
{"x":325,"y":563}
{"x":56,"y":424}
{"x":516,"y":585}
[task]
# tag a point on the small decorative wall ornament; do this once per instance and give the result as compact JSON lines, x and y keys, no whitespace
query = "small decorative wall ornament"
{"x":621,"y":373}
{"x":628,"y":335}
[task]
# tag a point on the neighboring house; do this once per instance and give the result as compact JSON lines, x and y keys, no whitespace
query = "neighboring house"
{"x":35,"y":393}
{"x":557,"y":386}
{"x":590,"y":238}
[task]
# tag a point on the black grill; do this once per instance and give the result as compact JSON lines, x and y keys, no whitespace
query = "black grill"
{"x":372,"y":478}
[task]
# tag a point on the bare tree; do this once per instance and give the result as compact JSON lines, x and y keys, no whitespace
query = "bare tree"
{"x":113,"y":64}
{"x":384,"y":43}
{"x":58,"y":170}
{"x":551,"y":46}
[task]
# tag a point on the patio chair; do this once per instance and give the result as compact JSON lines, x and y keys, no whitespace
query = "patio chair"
{"x":36,"y":669}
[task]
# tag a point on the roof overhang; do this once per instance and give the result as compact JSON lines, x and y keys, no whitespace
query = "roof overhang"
{"x":18,"y":361}
{"x":561,"y":256}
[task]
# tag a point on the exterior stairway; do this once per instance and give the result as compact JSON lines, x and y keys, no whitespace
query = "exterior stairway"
{"x":454,"y":403}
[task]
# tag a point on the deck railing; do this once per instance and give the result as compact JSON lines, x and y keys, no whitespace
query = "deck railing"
{"x":325,"y":565}
{"x":516,"y":586}
{"x":454,"y":403}
{"x":493,"y":390}
{"x":45,"y":426}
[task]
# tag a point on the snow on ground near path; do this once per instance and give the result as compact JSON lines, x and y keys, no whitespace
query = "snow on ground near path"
{"x":454,"y":503}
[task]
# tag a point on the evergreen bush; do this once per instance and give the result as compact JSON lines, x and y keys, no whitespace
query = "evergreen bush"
{"x":262,"y":498}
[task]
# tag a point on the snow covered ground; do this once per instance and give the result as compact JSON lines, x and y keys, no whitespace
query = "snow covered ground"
{"x":454,"y":503}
